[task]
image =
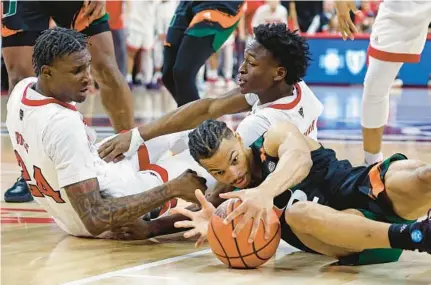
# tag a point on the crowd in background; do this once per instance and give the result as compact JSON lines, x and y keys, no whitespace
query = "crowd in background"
{"x":139,"y":29}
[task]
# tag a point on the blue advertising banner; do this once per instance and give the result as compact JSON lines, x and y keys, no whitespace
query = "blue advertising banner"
{"x":335,"y":61}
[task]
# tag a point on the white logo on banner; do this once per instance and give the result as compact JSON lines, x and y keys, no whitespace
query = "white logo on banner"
{"x":331,"y":62}
{"x":355,"y":60}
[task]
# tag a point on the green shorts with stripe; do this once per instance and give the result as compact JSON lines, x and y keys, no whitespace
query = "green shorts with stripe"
{"x":206,"y":18}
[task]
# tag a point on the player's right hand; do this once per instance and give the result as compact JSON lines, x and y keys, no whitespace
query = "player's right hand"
{"x":345,"y":24}
{"x":113,"y":149}
{"x":184,"y":185}
{"x":199,"y":221}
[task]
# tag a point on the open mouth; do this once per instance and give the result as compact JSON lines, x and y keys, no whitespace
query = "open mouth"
{"x":241,"y":181}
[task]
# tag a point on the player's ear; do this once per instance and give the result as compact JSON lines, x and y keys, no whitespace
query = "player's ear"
{"x":281,"y":73}
{"x":46,"y":71}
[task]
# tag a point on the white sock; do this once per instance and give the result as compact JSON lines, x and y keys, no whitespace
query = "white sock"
{"x":371,"y":158}
{"x":212,"y":74}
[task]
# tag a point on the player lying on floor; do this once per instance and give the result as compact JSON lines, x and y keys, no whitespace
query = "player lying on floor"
{"x":360,"y":215}
{"x":271,"y":79}
{"x":57,"y":152}
{"x":85,"y":195}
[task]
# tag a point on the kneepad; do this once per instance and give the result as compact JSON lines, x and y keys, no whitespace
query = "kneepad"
{"x":375,"y":99}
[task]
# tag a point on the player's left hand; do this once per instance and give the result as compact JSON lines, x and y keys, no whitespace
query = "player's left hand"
{"x":94,"y":9}
{"x":256,"y":205}
{"x":113,"y":149}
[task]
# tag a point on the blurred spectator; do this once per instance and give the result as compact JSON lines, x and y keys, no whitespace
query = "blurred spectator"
{"x":270,"y":12}
{"x":115,"y":10}
{"x":324,"y":21}
{"x":248,"y":15}
{"x":365,"y":21}
{"x":303,"y":11}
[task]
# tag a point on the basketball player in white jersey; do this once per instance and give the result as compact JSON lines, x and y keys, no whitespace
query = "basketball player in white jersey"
{"x":57,"y":153}
{"x":271,"y":12}
{"x":399,"y":34}
{"x":140,"y":23}
{"x":274,"y":63}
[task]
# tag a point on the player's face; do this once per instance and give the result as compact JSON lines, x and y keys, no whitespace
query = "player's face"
{"x":259,"y":72}
{"x":230,"y":165}
{"x":70,"y":76}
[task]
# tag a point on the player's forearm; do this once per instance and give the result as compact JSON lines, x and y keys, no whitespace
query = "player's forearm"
{"x":101,"y":214}
{"x":194,"y":113}
{"x":293,"y":167}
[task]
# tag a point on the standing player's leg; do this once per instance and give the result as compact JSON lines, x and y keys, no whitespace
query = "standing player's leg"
{"x":375,"y":105}
{"x":174,"y":37}
{"x":22,"y":23}
{"x":114,"y":91}
{"x":392,"y":42}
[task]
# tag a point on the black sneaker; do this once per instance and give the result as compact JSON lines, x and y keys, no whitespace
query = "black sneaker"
{"x":422,"y":235}
{"x":18,"y":193}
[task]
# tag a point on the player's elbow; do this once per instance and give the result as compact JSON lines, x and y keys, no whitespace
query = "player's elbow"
{"x":94,"y":225}
{"x":304,"y":162}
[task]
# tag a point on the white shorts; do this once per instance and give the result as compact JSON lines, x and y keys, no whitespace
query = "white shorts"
{"x":400,"y":30}
{"x":132,"y":175}
{"x":137,"y":40}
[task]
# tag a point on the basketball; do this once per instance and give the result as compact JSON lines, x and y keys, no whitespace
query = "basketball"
{"x":238,"y":252}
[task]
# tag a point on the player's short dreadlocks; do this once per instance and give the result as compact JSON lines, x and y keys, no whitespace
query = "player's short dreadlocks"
{"x":287,"y":47}
{"x":205,"y":140}
{"x":56,"y":43}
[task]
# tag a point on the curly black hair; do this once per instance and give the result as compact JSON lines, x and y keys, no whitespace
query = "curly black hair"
{"x":205,"y":140}
{"x":56,"y":43}
{"x":287,"y":47}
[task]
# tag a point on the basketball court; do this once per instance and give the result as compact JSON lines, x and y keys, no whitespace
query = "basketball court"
{"x":35,"y":251}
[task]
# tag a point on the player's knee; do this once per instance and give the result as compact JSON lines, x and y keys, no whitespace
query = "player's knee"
{"x":301,"y":216}
{"x":106,"y":71}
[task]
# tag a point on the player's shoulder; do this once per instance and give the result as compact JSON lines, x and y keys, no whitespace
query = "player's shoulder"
{"x":21,"y":86}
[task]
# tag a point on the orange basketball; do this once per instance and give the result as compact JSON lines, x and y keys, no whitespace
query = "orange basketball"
{"x":237,"y":252}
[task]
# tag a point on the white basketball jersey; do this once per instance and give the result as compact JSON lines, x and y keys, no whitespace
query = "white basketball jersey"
{"x":55,"y":149}
{"x":301,"y":109}
{"x":164,"y":12}
{"x":140,"y":16}
{"x":264,"y":15}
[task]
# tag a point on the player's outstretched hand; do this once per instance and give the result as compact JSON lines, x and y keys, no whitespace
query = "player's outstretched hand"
{"x":256,"y":205}
{"x":199,"y":221}
{"x":184,"y":185}
{"x":345,"y":24}
{"x":113,"y":149}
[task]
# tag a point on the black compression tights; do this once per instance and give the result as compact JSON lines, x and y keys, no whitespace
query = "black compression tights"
{"x":181,"y":63}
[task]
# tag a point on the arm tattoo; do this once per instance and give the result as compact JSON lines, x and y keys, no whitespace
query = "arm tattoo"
{"x":101,"y":214}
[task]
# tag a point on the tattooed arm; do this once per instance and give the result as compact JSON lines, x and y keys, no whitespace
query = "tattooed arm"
{"x":101,"y":214}
{"x":66,"y":144}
